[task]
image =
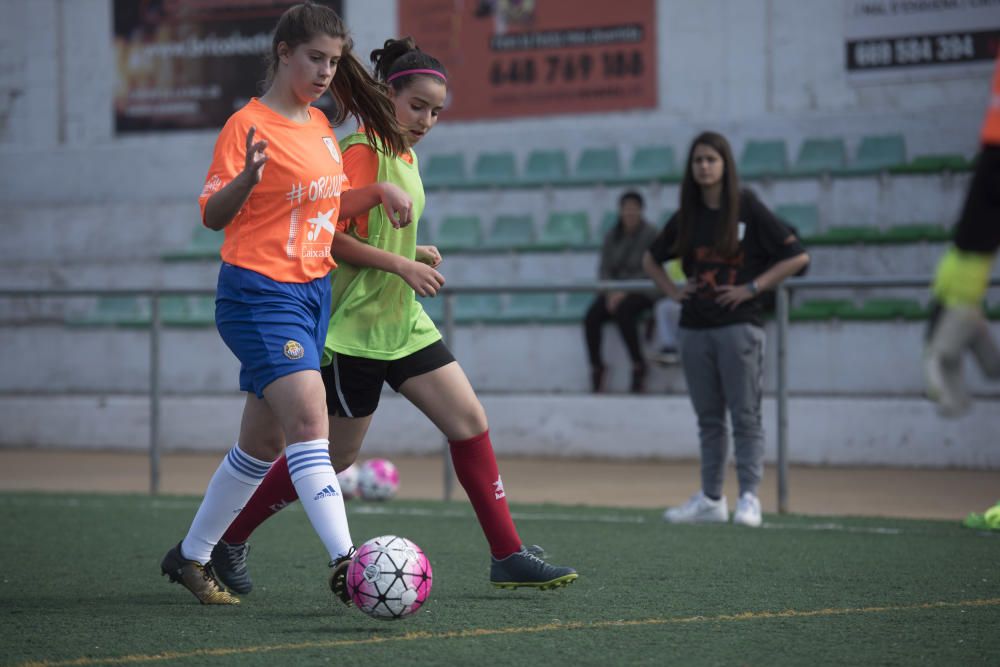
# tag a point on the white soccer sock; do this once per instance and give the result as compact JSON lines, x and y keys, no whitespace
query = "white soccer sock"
{"x":316,"y":483}
{"x":237,"y":477}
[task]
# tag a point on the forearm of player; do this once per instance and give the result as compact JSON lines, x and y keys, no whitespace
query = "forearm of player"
{"x":783,"y":269}
{"x":222,"y":207}
{"x":659,"y":276}
{"x":349,"y":249}
{"x":360,"y":200}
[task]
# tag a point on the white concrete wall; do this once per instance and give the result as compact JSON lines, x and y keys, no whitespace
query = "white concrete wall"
{"x":824,"y":358}
{"x":881,"y":432}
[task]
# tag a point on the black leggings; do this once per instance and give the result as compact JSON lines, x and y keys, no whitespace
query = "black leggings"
{"x":627,"y":319}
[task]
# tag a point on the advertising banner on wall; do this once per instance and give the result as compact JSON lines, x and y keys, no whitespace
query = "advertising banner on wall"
{"x":189,"y":64}
{"x":913,"y":39}
{"x":508,"y":58}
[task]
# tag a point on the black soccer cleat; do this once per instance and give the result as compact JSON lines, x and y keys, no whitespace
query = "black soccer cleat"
{"x":523,"y":569}
{"x":230,"y":563}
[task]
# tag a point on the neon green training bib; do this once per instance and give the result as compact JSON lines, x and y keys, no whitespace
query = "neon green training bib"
{"x":375,"y":314}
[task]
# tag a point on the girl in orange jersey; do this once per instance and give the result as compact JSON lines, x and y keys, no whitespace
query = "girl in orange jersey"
{"x":365,"y":348}
{"x":277,"y":187}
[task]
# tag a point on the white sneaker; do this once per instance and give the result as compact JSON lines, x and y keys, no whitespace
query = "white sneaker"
{"x":698,"y":509}
{"x":747,"y":511}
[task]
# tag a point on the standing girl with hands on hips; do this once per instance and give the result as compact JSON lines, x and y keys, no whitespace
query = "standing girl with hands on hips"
{"x":732,"y":248}
{"x":277,"y":187}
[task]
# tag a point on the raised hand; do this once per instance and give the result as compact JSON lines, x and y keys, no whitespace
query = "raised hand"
{"x":255,"y":157}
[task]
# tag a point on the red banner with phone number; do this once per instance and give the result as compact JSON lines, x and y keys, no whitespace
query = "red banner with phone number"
{"x":508,"y":58}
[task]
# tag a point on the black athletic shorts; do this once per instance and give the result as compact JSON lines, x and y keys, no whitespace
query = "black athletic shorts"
{"x":354,"y":384}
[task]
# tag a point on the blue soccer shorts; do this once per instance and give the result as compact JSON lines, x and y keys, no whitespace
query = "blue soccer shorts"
{"x":273,"y":328}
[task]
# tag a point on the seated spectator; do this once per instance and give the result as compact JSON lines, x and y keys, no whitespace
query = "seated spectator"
{"x":621,"y":259}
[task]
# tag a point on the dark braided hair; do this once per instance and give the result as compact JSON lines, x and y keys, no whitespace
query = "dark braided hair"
{"x":399,"y":55}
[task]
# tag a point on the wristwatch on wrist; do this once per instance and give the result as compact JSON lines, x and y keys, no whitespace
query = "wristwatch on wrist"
{"x":753,"y":287}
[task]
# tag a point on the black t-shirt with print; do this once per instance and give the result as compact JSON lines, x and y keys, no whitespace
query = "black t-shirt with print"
{"x":764,"y":241}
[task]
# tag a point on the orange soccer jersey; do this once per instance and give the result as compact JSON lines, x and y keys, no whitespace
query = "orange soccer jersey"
{"x":991,"y":128}
{"x":285,"y":229}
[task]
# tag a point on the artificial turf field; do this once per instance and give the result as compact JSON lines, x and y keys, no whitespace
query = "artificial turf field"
{"x":81,"y":586}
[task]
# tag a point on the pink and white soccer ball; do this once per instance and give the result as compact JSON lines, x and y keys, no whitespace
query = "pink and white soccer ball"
{"x":389,"y":578}
{"x":348,"y":479}
{"x":378,"y":479}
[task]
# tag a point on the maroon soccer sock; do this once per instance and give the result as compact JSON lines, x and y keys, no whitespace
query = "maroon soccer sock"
{"x":476,"y":469}
{"x":273,"y":495}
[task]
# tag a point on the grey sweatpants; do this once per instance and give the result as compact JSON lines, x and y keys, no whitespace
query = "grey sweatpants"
{"x":723,"y":367}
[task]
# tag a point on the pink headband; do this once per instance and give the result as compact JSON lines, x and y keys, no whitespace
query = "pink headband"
{"x":407,"y":72}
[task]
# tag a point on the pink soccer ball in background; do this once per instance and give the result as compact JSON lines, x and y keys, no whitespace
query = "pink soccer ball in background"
{"x":389,"y":578}
{"x":378,"y":479}
{"x":348,"y":479}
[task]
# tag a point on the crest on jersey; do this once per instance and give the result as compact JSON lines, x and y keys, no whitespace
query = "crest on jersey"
{"x":294,"y":350}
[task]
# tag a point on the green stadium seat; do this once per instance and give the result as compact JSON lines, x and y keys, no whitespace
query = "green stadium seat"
{"x":204,"y":244}
{"x":804,"y":217}
{"x":598,"y":165}
{"x":511,"y":232}
{"x":574,"y":306}
{"x":494,"y":170}
{"x":819,"y":309}
{"x":817,"y":156}
{"x":444,"y":171}
{"x":762,"y":159}
{"x":934,"y":164}
{"x":531,"y":307}
{"x":564,"y":231}
{"x":653,"y":163}
{"x":548,"y":167}
{"x":608,"y":221}
{"x":477,"y":308}
{"x":877,"y":309}
{"x":463,"y":232}
{"x":122,"y":311}
{"x":848,"y":235}
{"x":878,"y":153}
{"x":916,"y":233}
{"x":183,"y":311}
